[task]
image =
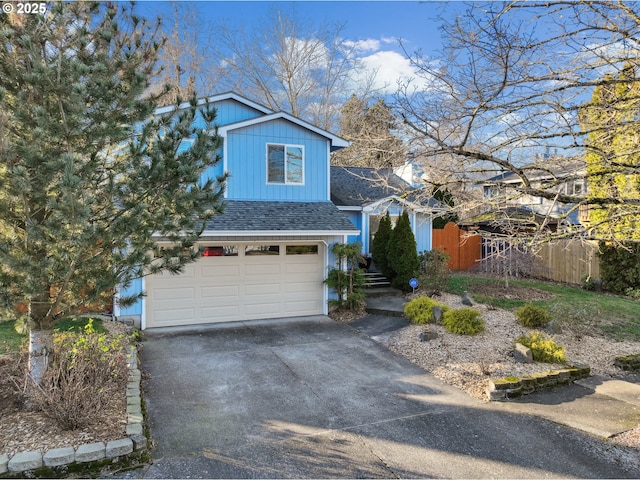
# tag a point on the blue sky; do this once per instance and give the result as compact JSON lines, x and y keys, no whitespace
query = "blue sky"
{"x":375,"y":26}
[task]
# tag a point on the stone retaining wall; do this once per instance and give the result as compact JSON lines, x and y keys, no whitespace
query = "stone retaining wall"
{"x":512,"y":387}
{"x":90,"y":452}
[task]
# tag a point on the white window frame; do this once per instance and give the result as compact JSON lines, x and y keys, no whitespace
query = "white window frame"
{"x":285,"y":146}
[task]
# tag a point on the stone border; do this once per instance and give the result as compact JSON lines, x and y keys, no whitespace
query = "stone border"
{"x":628,"y":362}
{"x":512,"y":387}
{"x":90,"y":452}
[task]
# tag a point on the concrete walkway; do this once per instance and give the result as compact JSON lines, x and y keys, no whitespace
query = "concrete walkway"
{"x":311,"y":397}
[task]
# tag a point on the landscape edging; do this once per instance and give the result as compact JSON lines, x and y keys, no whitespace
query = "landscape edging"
{"x":513,"y":387}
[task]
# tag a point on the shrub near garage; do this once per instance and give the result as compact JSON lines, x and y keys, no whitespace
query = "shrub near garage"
{"x":420,"y":310}
{"x":464,"y":321}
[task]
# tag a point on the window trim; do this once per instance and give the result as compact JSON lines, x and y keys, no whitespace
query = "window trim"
{"x":286,"y":181}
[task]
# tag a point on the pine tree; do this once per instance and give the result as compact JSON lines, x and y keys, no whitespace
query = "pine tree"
{"x":403,"y":253}
{"x":370,"y":129}
{"x":380,"y":245}
{"x":88,"y":175}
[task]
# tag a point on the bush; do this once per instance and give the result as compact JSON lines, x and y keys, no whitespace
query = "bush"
{"x":380,"y":245}
{"x":403,"y":254}
{"x":620,"y":266}
{"x":420,"y":310}
{"x":348,"y":284}
{"x":85,"y":372}
{"x":434,"y":265}
{"x":465,"y":321}
{"x":543,"y":348}
{"x":533,"y":316}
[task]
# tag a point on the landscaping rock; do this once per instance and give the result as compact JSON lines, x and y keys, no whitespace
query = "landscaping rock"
{"x":553,"y":328}
{"x":466,"y":300}
{"x":4,"y":463}
{"x":59,"y":456}
{"x":427,"y":335}
{"x":437,"y":314}
{"x":23,"y":461}
{"x":522,"y":354}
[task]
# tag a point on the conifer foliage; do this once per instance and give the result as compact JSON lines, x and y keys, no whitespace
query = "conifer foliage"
{"x":380,"y":245}
{"x":87,"y":174}
{"x":403,"y":253}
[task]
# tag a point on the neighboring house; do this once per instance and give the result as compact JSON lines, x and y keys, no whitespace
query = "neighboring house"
{"x":504,"y":203}
{"x":367,"y":194}
{"x":268,"y":254}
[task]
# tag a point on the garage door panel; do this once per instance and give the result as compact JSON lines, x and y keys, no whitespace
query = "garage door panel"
{"x":220,"y":313}
{"x":173,"y":293}
{"x":310,"y":268}
{"x":301,"y":287}
{"x":222,"y":272}
{"x":262,"y":310}
{"x":263,"y":269}
{"x":220,"y":291}
{"x":233,"y":288}
{"x":174,"y":315}
{"x":262,"y":289}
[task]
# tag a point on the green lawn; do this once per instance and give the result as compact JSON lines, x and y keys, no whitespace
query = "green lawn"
{"x":614,"y":316}
{"x":10,"y":340}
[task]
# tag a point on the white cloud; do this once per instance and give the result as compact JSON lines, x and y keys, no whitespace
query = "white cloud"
{"x":368,"y":45}
{"x":390,"y":67}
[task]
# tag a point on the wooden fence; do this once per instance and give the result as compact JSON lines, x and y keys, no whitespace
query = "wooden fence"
{"x":566,"y":261}
{"x":465,"y":251}
{"x":570,"y":261}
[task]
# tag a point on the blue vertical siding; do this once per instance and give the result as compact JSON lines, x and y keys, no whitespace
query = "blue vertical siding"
{"x":247,"y":162}
{"x":133,"y":289}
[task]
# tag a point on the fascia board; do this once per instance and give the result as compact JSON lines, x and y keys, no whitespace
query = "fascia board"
{"x":335,"y":140}
{"x":213,"y":99}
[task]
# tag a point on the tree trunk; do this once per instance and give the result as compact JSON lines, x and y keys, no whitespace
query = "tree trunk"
{"x":39,"y":346}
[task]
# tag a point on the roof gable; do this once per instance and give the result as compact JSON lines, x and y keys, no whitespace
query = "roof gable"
{"x":336,"y":141}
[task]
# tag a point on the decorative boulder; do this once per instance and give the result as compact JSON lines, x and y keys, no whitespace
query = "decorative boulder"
{"x":437,"y":314}
{"x":522,"y":354}
{"x":466,"y":300}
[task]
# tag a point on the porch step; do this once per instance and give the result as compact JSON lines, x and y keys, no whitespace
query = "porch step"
{"x":376,"y":280}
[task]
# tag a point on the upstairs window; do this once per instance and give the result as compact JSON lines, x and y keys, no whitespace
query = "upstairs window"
{"x":285,"y":164}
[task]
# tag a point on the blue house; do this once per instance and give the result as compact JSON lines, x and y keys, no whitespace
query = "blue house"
{"x":268,"y":254}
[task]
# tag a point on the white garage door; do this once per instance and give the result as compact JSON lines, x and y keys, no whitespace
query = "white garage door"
{"x":239,"y":282}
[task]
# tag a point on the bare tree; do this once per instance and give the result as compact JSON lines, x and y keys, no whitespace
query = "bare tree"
{"x":186,"y":64}
{"x":289,"y":64}
{"x":510,"y":86}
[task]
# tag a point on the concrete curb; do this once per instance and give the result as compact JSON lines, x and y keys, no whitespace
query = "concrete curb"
{"x":58,"y":457}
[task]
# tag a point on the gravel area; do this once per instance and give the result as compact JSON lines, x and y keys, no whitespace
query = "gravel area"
{"x":467,"y":362}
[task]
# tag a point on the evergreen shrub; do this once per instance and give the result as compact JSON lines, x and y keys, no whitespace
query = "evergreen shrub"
{"x":464,"y":321}
{"x":403,"y":254}
{"x":543,"y":348}
{"x":620,"y":266}
{"x":420,"y":310}
{"x":533,"y":316}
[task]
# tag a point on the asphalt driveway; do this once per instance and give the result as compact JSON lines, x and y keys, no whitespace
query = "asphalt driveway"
{"x":313,"y":398}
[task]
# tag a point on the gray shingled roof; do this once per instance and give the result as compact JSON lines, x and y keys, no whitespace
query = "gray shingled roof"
{"x":359,"y":186}
{"x":280,"y":216}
